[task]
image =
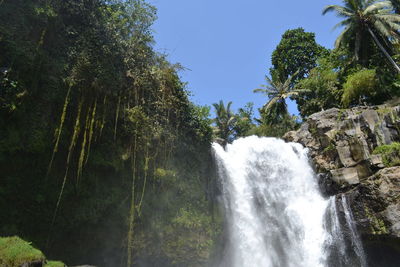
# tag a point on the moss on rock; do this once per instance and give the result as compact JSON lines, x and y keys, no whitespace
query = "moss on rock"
{"x":15,"y":252}
{"x":377,"y":226}
{"x":54,"y":264}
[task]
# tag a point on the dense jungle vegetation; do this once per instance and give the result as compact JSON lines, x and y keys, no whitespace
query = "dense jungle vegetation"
{"x":103,"y":158}
{"x":362,"y":69}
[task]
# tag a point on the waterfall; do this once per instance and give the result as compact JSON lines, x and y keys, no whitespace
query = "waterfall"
{"x":275,"y":214}
{"x":354,"y":236}
{"x":336,"y":242}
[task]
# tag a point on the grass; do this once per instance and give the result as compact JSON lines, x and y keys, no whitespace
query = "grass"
{"x":390,"y":154}
{"x":54,"y":264}
{"x":330,"y":147}
{"x":14,"y":252}
{"x":384,"y":110}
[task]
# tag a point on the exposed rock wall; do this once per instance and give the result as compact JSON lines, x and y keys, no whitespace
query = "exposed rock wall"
{"x":341,"y":143}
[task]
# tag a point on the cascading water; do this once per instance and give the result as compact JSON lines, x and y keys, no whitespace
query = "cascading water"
{"x":344,"y":243}
{"x":355,"y":238}
{"x":275,"y":214}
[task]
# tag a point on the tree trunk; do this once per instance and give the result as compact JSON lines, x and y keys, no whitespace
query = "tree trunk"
{"x":357,"y":46}
{"x":384,"y":50}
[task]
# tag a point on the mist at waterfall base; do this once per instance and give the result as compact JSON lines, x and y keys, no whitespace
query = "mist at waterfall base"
{"x":275,"y":215}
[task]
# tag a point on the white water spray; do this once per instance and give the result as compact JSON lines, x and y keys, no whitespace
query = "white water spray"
{"x":355,"y":238}
{"x":275,"y":213}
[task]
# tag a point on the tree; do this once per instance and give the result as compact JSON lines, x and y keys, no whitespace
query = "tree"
{"x":225,"y":121}
{"x":288,"y":123}
{"x":362,"y":20}
{"x":85,"y":97}
{"x":322,"y":86}
{"x":275,"y":110}
{"x":244,"y":120}
{"x":296,"y":52}
{"x":359,"y":86}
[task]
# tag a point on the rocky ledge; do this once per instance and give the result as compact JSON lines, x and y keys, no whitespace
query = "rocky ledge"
{"x":343,"y":146}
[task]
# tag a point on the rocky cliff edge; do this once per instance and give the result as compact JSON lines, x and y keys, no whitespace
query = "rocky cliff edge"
{"x":343,"y":146}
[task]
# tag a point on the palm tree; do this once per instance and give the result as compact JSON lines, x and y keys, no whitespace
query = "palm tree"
{"x":275,"y":110}
{"x":396,"y":5}
{"x":225,"y":121}
{"x":363,"y":18}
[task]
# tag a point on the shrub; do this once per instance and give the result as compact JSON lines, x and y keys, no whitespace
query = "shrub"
{"x":390,"y":154}
{"x":320,"y":89}
{"x":359,"y":85}
{"x":15,"y":252}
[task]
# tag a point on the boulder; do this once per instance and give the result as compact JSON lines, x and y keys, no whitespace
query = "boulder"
{"x":342,"y":141}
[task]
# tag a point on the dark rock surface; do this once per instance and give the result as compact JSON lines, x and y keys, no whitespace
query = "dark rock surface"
{"x":341,"y":143}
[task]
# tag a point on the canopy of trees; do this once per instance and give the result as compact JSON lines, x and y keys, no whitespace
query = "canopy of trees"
{"x":103,"y":158}
{"x":361,"y":70}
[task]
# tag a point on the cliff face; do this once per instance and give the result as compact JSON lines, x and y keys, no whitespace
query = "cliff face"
{"x":341,"y":143}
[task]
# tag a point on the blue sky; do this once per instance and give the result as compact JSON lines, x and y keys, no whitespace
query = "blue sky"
{"x":226,"y":46}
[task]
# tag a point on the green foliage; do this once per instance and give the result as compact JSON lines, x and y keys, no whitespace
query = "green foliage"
{"x":322,"y":90}
{"x":244,"y":120}
{"x":97,"y":127}
{"x":225,"y":121}
{"x":295,"y":55}
{"x":330,"y":147}
{"x":192,"y":227}
{"x":359,"y":86}
{"x":390,"y":154}
{"x":354,"y":73}
{"x":14,"y":252}
{"x":54,"y":264}
{"x":275,"y":110}
{"x":11,"y":94}
{"x":202,"y":117}
{"x":166,"y":177}
{"x":367,"y":23}
{"x":288,"y":123}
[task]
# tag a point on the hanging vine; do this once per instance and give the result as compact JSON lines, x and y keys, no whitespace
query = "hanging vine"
{"x":70,"y":150}
{"x":59,"y":129}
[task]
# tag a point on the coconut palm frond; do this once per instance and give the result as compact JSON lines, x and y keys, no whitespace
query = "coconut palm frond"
{"x":289,"y":80}
{"x":343,"y":23}
{"x":388,"y":17}
{"x":341,"y":37}
{"x":225,"y":120}
{"x":384,"y":5}
{"x":231,"y":120}
{"x":382,"y":29}
{"x":228,"y":107}
{"x":269,"y":87}
{"x":340,"y":11}
{"x":270,"y":103}
{"x":259,"y":90}
{"x":269,"y":80}
{"x":363,"y":20}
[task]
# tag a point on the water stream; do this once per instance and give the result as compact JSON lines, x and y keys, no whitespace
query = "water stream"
{"x":275,"y":214}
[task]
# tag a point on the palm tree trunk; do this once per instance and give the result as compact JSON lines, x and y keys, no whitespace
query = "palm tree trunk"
{"x":384,"y":50}
{"x":357,"y":46}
